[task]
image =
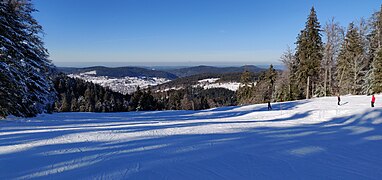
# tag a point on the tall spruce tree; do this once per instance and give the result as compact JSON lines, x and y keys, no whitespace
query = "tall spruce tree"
{"x":375,"y":43}
{"x":377,"y":70}
{"x":27,"y":88}
{"x":270,"y":77}
{"x":351,"y":67}
{"x":244,"y":93}
{"x":309,"y":55}
{"x":375,"y":36}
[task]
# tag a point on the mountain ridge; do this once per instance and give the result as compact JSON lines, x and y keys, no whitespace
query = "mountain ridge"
{"x":169,"y":73}
{"x":119,"y":72}
{"x":203,"y":69}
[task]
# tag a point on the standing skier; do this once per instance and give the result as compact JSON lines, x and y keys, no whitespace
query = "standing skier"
{"x":372,"y":100}
{"x":269,"y":105}
{"x":339,"y":99}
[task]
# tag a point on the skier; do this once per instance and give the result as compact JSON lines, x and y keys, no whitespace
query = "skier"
{"x":269,"y":105}
{"x":339,"y":99}
{"x":372,"y":100}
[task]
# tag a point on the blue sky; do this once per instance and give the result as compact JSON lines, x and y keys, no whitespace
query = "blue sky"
{"x":182,"y":32}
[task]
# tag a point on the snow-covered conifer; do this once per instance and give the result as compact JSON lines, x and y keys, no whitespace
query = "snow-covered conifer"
{"x":27,"y":87}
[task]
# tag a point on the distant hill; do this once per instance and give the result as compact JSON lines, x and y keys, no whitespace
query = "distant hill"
{"x":171,"y":74}
{"x":194,"y":79}
{"x":190,"y":71}
{"x":119,"y":72}
{"x":127,"y":79}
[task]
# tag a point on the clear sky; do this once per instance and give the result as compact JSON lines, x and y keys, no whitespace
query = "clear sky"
{"x":182,"y":32}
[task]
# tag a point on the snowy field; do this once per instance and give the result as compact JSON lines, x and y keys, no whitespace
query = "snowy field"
{"x":125,"y":85}
{"x":211,"y":83}
{"x":311,"y":139}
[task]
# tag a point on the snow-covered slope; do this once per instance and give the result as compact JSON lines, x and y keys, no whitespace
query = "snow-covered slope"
{"x":122,"y":85}
{"x":310,"y":139}
{"x":211,"y":83}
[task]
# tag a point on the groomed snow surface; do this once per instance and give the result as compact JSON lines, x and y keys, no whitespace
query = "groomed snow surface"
{"x":309,"y":139}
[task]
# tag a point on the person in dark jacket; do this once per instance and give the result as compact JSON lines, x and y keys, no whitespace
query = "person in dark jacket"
{"x":372,"y":100}
{"x":269,"y":105}
{"x":339,"y":99}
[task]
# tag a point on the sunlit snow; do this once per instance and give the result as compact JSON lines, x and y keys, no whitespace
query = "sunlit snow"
{"x":307,"y":139}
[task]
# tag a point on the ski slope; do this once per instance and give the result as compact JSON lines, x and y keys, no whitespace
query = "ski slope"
{"x":309,"y":139}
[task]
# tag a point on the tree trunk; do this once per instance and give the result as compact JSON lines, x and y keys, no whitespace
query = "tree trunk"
{"x":330,"y":87}
{"x":307,"y":89}
{"x":326,"y":80}
{"x":340,"y":83}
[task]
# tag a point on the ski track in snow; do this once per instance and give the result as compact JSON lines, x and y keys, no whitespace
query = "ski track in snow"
{"x":308,"y":139}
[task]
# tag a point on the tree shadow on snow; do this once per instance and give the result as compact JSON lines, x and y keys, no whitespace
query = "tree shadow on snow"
{"x":340,"y":148}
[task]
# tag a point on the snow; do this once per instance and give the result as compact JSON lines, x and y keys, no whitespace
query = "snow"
{"x":169,"y":89}
{"x":211,"y":83}
{"x":308,"y":139}
{"x":89,"y":73}
{"x":210,"y":80}
{"x":233,"y":86}
{"x":125,"y":85}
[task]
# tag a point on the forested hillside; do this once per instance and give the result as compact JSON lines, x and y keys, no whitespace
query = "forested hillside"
{"x":76,"y":95}
{"x":193,"y":80}
{"x":190,"y":71}
{"x":118,"y":72}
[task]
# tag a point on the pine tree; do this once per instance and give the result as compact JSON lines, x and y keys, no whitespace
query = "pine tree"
{"x":375,"y":36}
{"x":351,"y":67}
{"x":204,"y":103}
{"x":270,"y":76}
{"x":309,"y":55}
{"x":11,"y":91}
{"x":174,"y":101}
{"x":135,"y":99}
{"x":377,"y":70}
{"x":186,"y":103}
{"x":375,"y":43}
{"x":146,"y":101}
{"x":24,"y":66}
{"x":65,"y":105}
{"x":244,"y":93}
{"x":246,"y":78}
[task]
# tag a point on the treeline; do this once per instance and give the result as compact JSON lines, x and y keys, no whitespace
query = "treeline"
{"x":257,"y":90}
{"x":76,"y":95}
{"x":192,"y":80}
{"x":328,"y":60}
{"x":191,"y":98}
{"x":346,"y":63}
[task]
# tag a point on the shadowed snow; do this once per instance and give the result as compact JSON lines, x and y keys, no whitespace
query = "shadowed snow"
{"x":309,"y":139}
